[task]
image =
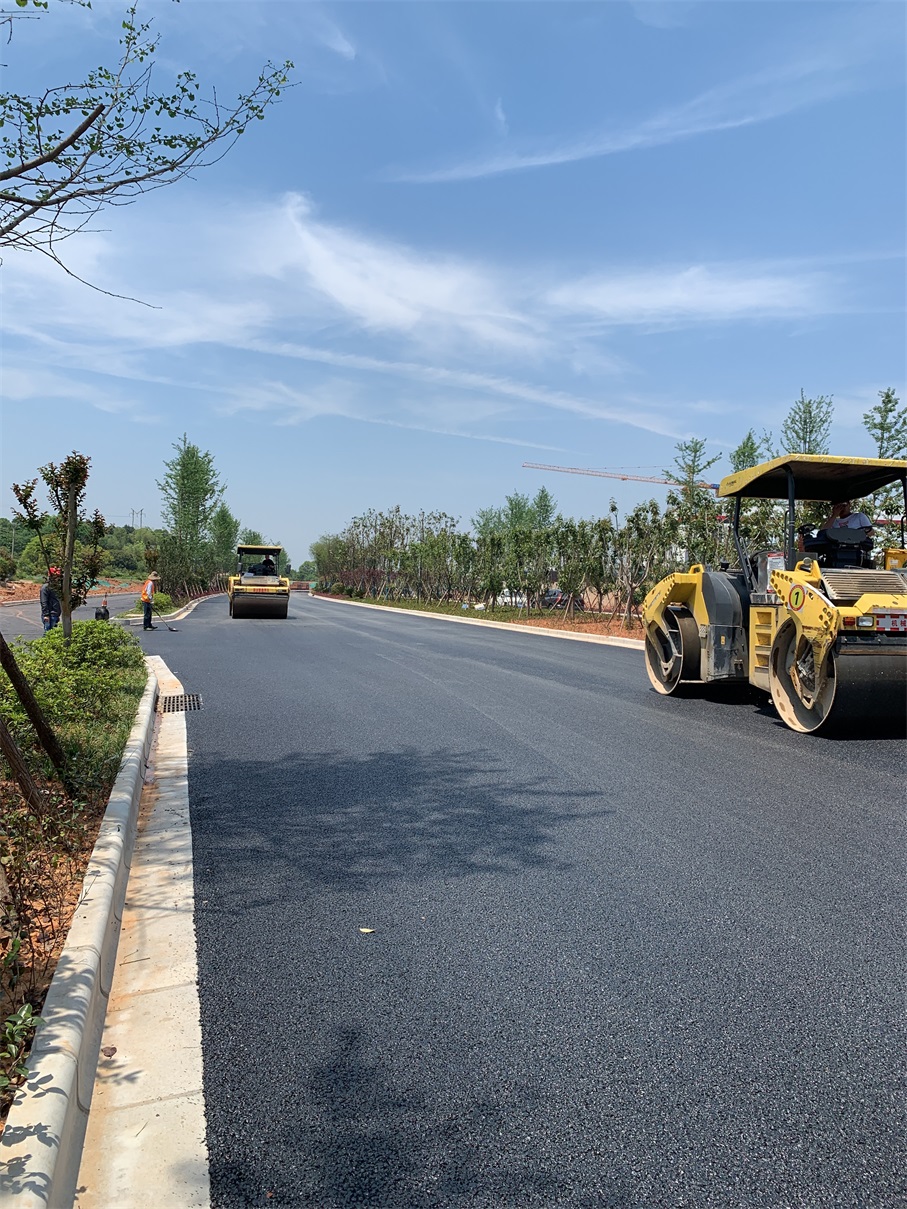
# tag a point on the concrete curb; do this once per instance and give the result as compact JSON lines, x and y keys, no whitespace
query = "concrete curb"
{"x":636,"y":644}
{"x":176,"y":615}
{"x":41,"y":1146}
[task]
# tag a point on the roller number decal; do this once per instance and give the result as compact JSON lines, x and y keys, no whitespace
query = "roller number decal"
{"x":797,"y":598}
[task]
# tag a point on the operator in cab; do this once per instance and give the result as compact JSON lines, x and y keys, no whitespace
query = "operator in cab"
{"x":841,"y":517}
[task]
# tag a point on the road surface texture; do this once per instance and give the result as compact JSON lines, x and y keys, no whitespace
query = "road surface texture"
{"x":23,"y":619}
{"x":483,"y":921}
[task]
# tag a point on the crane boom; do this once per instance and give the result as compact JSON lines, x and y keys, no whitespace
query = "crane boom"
{"x":612,"y":474}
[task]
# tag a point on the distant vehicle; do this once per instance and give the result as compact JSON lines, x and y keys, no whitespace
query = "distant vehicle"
{"x":555,"y":599}
{"x":512,"y":598}
{"x":256,"y":590}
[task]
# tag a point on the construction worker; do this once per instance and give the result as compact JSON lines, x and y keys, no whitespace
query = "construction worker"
{"x":50,"y":601}
{"x":148,"y":590}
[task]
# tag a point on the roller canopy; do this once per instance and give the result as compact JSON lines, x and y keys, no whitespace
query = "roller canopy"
{"x":259,"y":550}
{"x":815,"y":477}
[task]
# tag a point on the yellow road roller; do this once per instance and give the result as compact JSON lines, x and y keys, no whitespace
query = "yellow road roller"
{"x":820,"y":625}
{"x":257,"y":589}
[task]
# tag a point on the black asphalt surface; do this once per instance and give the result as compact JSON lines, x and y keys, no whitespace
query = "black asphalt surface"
{"x":23,"y":619}
{"x":622,"y":950}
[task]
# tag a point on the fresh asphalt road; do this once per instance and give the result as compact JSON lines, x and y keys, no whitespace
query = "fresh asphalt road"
{"x":23,"y":619}
{"x":484,"y":921}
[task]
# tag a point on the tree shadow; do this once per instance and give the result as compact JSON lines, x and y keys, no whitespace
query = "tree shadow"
{"x":355,"y":822}
{"x":355,"y":1140}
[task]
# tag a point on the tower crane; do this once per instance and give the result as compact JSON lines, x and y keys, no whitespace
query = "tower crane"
{"x":613,"y":474}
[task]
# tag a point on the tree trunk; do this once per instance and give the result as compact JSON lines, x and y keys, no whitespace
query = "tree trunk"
{"x":72,"y":517}
{"x":23,"y":691}
{"x":20,"y":771}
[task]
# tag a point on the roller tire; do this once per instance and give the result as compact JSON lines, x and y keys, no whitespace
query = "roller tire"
{"x":794,"y":711}
{"x":675,"y":659}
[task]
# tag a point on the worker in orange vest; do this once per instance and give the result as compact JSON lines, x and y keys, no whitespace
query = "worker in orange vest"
{"x":148,"y":590}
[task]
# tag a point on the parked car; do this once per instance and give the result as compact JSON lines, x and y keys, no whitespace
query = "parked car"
{"x":555,"y":599}
{"x":515,"y":600}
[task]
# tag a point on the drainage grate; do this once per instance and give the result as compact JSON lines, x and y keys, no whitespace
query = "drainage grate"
{"x":179,"y":703}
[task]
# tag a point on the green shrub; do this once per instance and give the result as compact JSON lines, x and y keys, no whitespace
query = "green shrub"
{"x":88,"y":691}
{"x":349,"y":590}
{"x":163,"y":603}
{"x":337,"y":588}
{"x":7,"y":565}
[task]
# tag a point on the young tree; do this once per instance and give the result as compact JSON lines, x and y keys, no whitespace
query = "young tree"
{"x":224,"y":538}
{"x":747,"y":453}
{"x":807,"y":426}
{"x":886,"y":423}
{"x":191,"y":491}
{"x":78,"y":147}
{"x":694,"y":505}
{"x":78,"y":567}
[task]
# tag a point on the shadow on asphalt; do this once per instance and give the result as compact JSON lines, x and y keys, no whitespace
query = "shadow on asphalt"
{"x":352,"y":822}
{"x":371,"y":1147}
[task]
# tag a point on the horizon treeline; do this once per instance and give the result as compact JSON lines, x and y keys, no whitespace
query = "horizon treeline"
{"x":612,"y":560}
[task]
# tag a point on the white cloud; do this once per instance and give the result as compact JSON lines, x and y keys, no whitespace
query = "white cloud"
{"x":758,"y":97}
{"x":332,"y":37}
{"x":699,"y":293}
{"x":500,"y":117}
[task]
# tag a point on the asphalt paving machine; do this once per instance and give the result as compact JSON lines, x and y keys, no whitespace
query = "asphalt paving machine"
{"x":820,"y":625}
{"x":257,"y":589}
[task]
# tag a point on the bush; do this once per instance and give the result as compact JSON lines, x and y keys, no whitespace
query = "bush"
{"x":7,"y":565}
{"x":337,"y":588}
{"x":163,"y":603}
{"x":348,"y":591}
{"x":88,"y":692}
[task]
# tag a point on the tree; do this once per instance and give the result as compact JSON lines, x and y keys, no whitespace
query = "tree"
{"x":807,"y":426}
{"x":224,"y":538}
{"x":886,"y":423}
{"x":694,"y":505}
{"x":191,"y":491}
{"x":251,"y":537}
{"x":79,"y":147}
{"x":78,"y":568}
{"x":747,"y":453}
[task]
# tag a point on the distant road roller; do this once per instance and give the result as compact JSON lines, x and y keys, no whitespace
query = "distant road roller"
{"x":257,"y":590}
{"x":822,"y":628}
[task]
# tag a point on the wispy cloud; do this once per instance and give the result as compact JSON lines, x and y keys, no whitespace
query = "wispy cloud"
{"x":490,"y":383}
{"x":287,"y":286}
{"x":759,"y":97}
{"x":699,"y":293}
{"x":500,"y":117}
{"x":333,"y":38}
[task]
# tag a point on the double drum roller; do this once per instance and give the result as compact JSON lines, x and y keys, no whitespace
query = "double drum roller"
{"x":823,"y":630}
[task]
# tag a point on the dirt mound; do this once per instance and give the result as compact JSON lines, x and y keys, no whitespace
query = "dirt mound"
{"x":10,"y":593}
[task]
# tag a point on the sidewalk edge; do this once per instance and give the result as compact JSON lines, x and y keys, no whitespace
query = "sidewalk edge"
{"x":636,"y":644}
{"x":41,"y":1145}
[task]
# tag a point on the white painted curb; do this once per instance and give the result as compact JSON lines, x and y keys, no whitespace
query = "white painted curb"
{"x":637,"y":644}
{"x":41,"y":1146}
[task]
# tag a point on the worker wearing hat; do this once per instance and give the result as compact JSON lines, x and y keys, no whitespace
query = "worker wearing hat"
{"x":148,"y":590}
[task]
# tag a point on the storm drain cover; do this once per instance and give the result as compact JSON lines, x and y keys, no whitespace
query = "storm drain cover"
{"x":179,"y":703}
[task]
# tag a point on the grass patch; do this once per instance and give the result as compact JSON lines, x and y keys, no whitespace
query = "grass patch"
{"x":89,"y":693}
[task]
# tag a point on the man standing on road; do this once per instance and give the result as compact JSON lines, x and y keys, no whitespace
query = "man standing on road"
{"x":50,"y":601}
{"x":148,"y":590}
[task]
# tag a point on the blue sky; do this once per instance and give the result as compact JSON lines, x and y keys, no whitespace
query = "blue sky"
{"x":475,"y":234}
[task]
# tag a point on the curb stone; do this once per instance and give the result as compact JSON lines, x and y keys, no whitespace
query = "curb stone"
{"x":41,"y":1145}
{"x":176,"y":615}
{"x":636,"y":644}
